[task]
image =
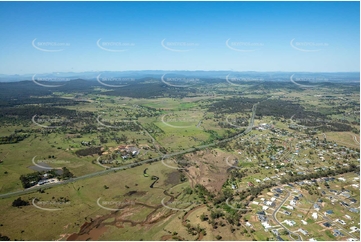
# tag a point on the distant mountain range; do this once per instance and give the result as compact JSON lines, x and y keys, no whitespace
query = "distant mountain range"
{"x":157,"y":74}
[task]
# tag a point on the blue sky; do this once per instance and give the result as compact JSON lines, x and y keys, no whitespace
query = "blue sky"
{"x":45,"y":37}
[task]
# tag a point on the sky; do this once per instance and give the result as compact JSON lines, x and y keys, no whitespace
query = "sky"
{"x":45,"y":37}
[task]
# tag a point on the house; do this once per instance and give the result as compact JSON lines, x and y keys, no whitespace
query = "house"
{"x":86,"y":143}
{"x":342,"y":179}
{"x":304,"y":222}
{"x":278,"y":190}
{"x":354,"y":210}
{"x":290,"y":222}
{"x":273,"y":199}
{"x":327,"y":224}
{"x":348,"y":216}
{"x":337,"y":233}
{"x":312,"y":239}
{"x":328,"y":212}
{"x":314,"y":216}
{"x":316,"y":206}
{"x":354,"y":229}
{"x":340,"y":221}
{"x":344,"y":204}
{"x":248,"y":224}
{"x":135,"y":152}
{"x":333,"y":191}
{"x":266,"y":225}
{"x":254,"y":202}
{"x":275,"y":232}
{"x":289,"y":207}
{"x":270,"y":203}
{"x":345,"y":194}
{"x":264,"y":208}
{"x":261,"y":213}
{"x":304,"y":232}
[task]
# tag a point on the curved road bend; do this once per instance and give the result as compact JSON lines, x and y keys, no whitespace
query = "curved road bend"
{"x":99,"y":173}
{"x":275,"y":218}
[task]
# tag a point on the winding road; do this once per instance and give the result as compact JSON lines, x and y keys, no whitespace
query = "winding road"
{"x":275,"y":218}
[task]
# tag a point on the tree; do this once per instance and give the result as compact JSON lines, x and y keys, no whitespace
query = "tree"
{"x":19,"y":202}
{"x":203,"y":217}
{"x":4,"y":238}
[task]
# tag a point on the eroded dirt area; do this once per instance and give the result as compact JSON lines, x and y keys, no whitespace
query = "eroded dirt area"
{"x":94,"y":229}
{"x":210,"y":169}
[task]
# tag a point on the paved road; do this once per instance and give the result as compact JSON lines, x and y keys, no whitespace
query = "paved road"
{"x":100,"y":173}
{"x":275,"y":218}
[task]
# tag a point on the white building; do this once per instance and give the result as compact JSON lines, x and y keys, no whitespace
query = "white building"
{"x":266,"y":225}
{"x":290,"y":223}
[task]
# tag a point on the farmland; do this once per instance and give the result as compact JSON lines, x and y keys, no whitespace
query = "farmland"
{"x":204,"y":162}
